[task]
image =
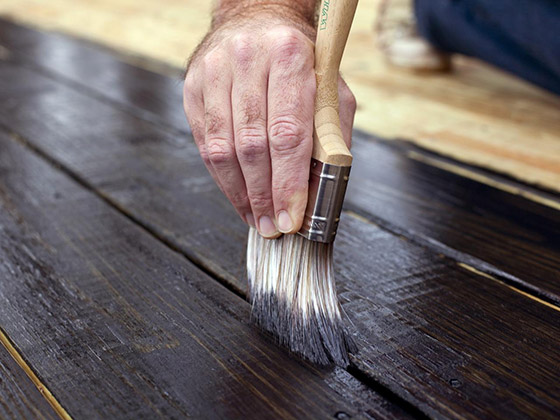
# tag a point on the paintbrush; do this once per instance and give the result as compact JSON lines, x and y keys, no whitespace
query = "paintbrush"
{"x":291,"y":279}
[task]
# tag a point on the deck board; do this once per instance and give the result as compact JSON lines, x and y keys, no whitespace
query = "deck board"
{"x":119,"y":326}
{"x":450,"y":341}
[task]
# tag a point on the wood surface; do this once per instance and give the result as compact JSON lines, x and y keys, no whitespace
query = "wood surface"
{"x":476,"y":114}
{"x":507,"y":236}
{"x":117,"y":325}
{"x":19,"y":398}
{"x":436,"y":333}
{"x":95,"y":71}
{"x":498,"y":232}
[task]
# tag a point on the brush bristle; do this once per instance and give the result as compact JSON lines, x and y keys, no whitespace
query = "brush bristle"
{"x":293,"y":295}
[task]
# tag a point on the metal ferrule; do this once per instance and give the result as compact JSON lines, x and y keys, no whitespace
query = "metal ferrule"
{"x":327,"y":186}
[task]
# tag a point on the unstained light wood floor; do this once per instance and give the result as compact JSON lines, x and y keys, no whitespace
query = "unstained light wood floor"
{"x":477,"y":114}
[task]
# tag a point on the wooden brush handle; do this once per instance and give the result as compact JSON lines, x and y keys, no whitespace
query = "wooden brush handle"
{"x":335,"y":19}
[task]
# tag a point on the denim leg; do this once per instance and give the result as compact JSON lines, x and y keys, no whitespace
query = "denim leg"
{"x":520,"y":36}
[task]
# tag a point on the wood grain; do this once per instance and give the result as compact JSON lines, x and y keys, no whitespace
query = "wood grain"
{"x":119,"y":326}
{"x":508,"y":235}
{"x":19,"y":398}
{"x":449,"y":341}
{"x":458,"y":345}
{"x":95,"y":70}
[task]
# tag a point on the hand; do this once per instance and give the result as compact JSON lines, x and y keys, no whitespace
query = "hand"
{"x":249,"y":98}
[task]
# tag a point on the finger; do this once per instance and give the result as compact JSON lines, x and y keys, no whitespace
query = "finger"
{"x":193,"y":106}
{"x":291,"y":97}
{"x":219,"y":139}
{"x":249,"y":123}
{"x":347,"y":110}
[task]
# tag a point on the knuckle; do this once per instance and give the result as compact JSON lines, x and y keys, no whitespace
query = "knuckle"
{"x":260,"y":200}
{"x":252,"y":143}
{"x":286,"y":188}
{"x":211,"y":59}
{"x":213,"y":67}
{"x":238,"y":198}
{"x":286,"y":135}
{"x":242,"y":47}
{"x":290,"y":46}
{"x":189,"y":85}
{"x":204,"y":154}
{"x":219,"y":151}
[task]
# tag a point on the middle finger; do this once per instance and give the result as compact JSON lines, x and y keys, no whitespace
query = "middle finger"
{"x":249,"y":93}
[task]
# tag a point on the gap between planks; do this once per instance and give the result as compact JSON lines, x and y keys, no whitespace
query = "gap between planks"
{"x":483,"y":179}
{"x":491,"y":272}
{"x":515,"y":289}
{"x":45,"y":392}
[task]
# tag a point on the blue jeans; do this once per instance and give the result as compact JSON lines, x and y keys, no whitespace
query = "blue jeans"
{"x":519,"y":36}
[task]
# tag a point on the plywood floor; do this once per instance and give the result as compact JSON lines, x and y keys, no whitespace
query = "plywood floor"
{"x":478,"y":114}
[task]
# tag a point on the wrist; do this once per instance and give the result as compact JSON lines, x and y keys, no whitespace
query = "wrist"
{"x":236,"y":14}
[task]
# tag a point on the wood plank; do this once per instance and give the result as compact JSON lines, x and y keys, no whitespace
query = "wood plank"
{"x":460,"y":345}
{"x":450,"y":341}
{"x":119,"y":326}
{"x":19,"y":398}
{"x":95,"y":70}
{"x":509,"y":236}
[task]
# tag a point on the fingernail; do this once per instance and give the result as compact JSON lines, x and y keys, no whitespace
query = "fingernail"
{"x":266,"y":227}
{"x":250,"y":219}
{"x":284,"y":221}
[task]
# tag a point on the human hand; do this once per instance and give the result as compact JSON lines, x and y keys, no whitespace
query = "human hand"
{"x":249,"y":97}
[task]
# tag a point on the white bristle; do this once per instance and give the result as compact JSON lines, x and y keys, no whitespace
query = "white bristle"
{"x":292,"y":288}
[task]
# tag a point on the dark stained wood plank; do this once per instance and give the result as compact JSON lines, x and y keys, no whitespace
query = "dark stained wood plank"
{"x":96,"y":70}
{"x":514,"y":238}
{"x":464,"y":345}
{"x":450,"y":341}
{"x":119,"y":326}
{"x":500,"y":233}
{"x":19,"y":398}
{"x":60,"y":118}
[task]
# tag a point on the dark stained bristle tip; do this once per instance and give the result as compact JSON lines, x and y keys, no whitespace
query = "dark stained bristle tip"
{"x":293,"y":297}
